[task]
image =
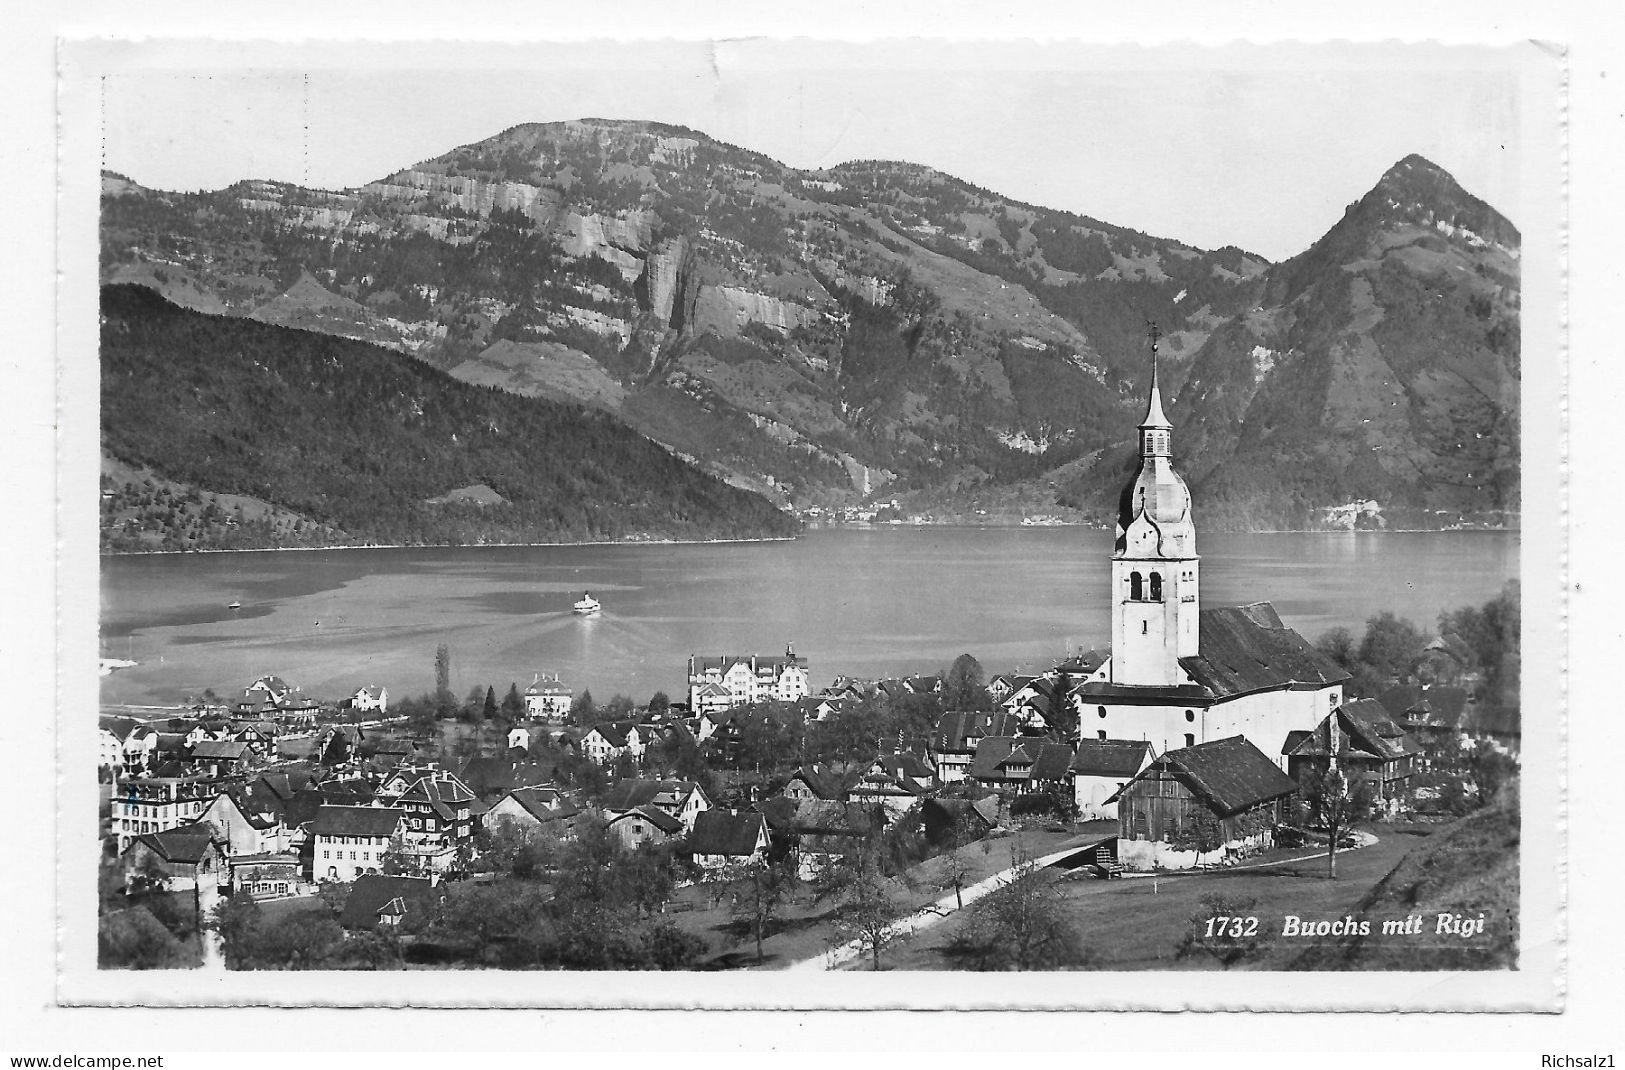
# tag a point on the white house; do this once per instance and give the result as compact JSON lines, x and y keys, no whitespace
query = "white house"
{"x":548,"y":699}
{"x":352,"y":840}
{"x":681,"y":799}
{"x":372,"y":698}
{"x":746,"y":678}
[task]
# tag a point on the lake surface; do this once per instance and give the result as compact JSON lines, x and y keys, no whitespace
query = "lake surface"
{"x":865,"y":602}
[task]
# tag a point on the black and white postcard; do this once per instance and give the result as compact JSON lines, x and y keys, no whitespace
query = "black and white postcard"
{"x":801,"y":523}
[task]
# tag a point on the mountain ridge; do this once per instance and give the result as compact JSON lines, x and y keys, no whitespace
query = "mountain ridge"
{"x":873,"y":331}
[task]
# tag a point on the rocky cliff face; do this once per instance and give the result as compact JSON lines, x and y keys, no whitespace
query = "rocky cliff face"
{"x":885,"y":318}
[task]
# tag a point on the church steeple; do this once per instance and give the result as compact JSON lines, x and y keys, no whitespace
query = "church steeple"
{"x":1154,"y":576}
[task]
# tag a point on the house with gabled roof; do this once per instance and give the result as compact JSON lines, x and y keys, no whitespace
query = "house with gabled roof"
{"x":1020,"y":764}
{"x":246,"y":822}
{"x":548,"y":700}
{"x":350,"y":841}
{"x":186,"y":858}
{"x":266,"y":876}
{"x":725,"y":837}
{"x":541,"y":807}
{"x":221,"y":758}
{"x":606,"y":741}
{"x":1363,"y":741}
{"x":370,"y":698}
{"x":641,"y":825}
{"x":894,"y":795}
{"x":816,"y":832}
{"x":1226,"y":793}
{"x":682,"y":799}
{"x":958,"y":732}
{"x":1103,"y":767}
{"x":814,"y":782}
{"x":1430,"y":713}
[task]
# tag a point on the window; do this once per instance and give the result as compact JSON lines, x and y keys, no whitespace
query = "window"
{"x":1156,"y":586}
{"x":1145,"y":627}
{"x":327,"y":854}
{"x":1135,"y":589}
{"x":1102,"y":711}
{"x":1102,"y":733}
{"x":352,"y":853}
{"x":1190,"y":740}
{"x":1190,"y":715}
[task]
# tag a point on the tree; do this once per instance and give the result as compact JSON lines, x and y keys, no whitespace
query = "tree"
{"x":334,"y":894}
{"x":489,"y":710}
{"x":964,"y":685}
{"x":513,"y":706}
{"x":1336,"y":803}
{"x":760,"y":892}
{"x":1390,"y":645}
{"x":1339,"y":645}
{"x":237,"y":920}
{"x":618,"y":708}
{"x":135,"y":940}
{"x":952,"y":869}
{"x":445,"y":703}
{"x":1024,"y":925}
{"x":659,"y":703}
{"x":582,"y":710}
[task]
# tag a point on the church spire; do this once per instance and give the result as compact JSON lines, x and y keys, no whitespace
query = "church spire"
{"x":1154,"y":417}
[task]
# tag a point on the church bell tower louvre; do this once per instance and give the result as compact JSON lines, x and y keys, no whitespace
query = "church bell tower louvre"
{"x":1155,"y":580}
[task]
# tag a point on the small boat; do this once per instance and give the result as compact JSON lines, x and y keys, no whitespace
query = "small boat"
{"x":235,"y":605}
{"x":588,"y":604}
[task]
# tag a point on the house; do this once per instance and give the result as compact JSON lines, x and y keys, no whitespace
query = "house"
{"x":894,"y":796}
{"x":1430,"y":713}
{"x":607,"y":741}
{"x":492,"y":778}
{"x":266,"y":876}
{"x":814,"y":782}
{"x":245,"y":823}
{"x":338,"y":744}
{"x":350,"y":841}
{"x":816,"y":832}
{"x":957,"y":734}
{"x":110,"y":752}
{"x":1447,"y":660}
{"x":1100,"y":769}
{"x":682,"y":799}
{"x":1004,"y":685}
{"x":143,"y":804}
{"x":183,"y":859}
{"x":373,"y":698}
{"x":542,"y":807}
{"x":1199,"y":805}
{"x":644,"y":824}
{"x":747,"y":678}
{"x":380,"y":901}
{"x":1362,"y":740}
{"x":140,"y":748}
{"x":707,"y":699}
{"x":518,"y":739}
{"x":1180,"y":675}
{"x":1020,"y":764}
{"x":546,"y":699}
{"x":439,"y":818}
{"x":217,"y":758}
{"x":725,"y":837}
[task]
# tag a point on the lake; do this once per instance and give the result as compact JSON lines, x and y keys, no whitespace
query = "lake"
{"x":864,"y":602}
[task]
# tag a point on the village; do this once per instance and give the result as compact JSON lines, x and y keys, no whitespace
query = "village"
{"x":279,"y":830}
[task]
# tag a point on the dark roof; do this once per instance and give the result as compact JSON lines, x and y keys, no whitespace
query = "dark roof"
{"x":718,"y":832}
{"x":1246,"y":648}
{"x":614,"y":734}
{"x":186,"y":844}
{"x":906,"y":764}
{"x":1051,"y":761}
{"x":1431,"y":707}
{"x":820,"y":780}
{"x":375,"y":821}
{"x":1231,"y":774}
{"x":631,"y":794}
{"x":1365,"y":730}
{"x":658,"y":818}
{"x":1118,"y":758}
{"x":1083,"y":663}
{"x":220,"y":748}
{"x":371,"y":893}
{"x":543,"y":803}
{"x":954,"y":728}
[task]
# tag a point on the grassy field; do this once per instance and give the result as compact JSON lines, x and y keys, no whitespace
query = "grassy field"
{"x":1139,"y":923}
{"x":805,"y":928}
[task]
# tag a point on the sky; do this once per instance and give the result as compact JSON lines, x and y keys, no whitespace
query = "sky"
{"x":1256,"y":146}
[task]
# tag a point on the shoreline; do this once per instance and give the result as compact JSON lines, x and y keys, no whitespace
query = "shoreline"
{"x":440,"y":546}
{"x":811,"y":526}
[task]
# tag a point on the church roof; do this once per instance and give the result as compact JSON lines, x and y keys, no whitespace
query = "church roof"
{"x":1243,"y":649}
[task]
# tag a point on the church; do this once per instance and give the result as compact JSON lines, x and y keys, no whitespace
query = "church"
{"x":1179,"y":675}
